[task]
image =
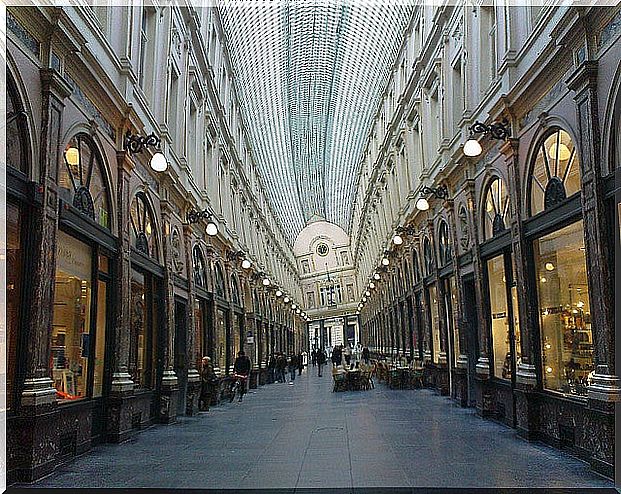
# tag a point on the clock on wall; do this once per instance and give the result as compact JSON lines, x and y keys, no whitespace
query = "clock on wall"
{"x":322,"y":250}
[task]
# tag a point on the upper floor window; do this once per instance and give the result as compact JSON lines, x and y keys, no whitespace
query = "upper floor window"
{"x":444,"y":244}
{"x":16,"y":129}
{"x":496,"y":208}
{"x":416,"y":264}
{"x":236,"y":297}
{"x":219,"y":282}
{"x":143,"y":226}
{"x":556,"y":172}
{"x":82,"y":181}
{"x":198,"y":262}
{"x":428,"y":254}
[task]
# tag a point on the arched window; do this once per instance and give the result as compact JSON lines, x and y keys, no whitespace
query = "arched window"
{"x":219,"y":282}
{"x":428,"y":254}
{"x":82,"y":180}
{"x":143,"y":226}
{"x":235,"y":295}
{"x":406,"y":273}
{"x":16,"y":129}
{"x":556,"y":172}
{"x":416,"y":263}
{"x":198,"y":263}
{"x":496,"y":208}
{"x":444,"y":244}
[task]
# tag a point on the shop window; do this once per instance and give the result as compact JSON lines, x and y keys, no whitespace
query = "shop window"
{"x":100,"y":347}
{"x":435,"y":322}
{"x":16,"y":129}
{"x":143,"y":330}
{"x":556,"y":172}
{"x":452,"y":309}
{"x":82,"y":181}
{"x":219,"y":282}
{"x":444,"y":244}
{"x":220,"y":340}
{"x":71,"y":321}
{"x":428,"y":254}
{"x":143,"y":227}
{"x":200,"y":272}
{"x":14,"y":273}
{"x":496,"y":208}
{"x":564,"y":310}
{"x":499,"y":313}
{"x":199,"y":324}
{"x":237,"y":344}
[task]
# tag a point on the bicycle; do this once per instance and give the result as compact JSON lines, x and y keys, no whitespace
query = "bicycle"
{"x":239,"y":385}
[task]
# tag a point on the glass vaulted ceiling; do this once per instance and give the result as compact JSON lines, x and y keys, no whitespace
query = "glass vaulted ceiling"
{"x":310,"y":77}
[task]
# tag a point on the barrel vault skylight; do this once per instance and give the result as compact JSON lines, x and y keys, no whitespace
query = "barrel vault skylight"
{"x":310,"y":77}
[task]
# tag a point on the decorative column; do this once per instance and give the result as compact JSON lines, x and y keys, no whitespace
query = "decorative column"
{"x":169,"y":387}
{"x":605,"y":388}
{"x":460,"y":391}
{"x":194,"y":378}
{"x":35,"y":437}
{"x":483,"y":393}
{"x":122,"y":388}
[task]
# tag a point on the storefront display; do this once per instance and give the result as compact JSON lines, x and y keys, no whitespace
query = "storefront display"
{"x":71,"y":322}
{"x":220,"y":340}
{"x":199,"y":324}
{"x":564,"y":309}
{"x":452,"y":318}
{"x":143,"y":330}
{"x":499,"y":315}
{"x":434,"y":320}
{"x":14,"y":273}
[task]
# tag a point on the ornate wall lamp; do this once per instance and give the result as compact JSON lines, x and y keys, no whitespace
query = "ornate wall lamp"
{"x":194,"y":216}
{"x":240,"y":255}
{"x":441,"y":192}
{"x":497,"y":130}
{"x":135,"y":144}
{"x":401,"y":232}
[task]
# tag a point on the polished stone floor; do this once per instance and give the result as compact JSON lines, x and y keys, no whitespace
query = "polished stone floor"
{"x":306,"y":436}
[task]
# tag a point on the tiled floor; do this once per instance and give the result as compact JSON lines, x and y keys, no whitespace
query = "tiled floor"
{"x":306,"y":436}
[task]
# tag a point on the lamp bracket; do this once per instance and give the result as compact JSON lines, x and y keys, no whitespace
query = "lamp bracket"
{"x":135,"y":143}
{"x":194,"y":216}
{"x":441,"y":191}
{"x":498,"y":130}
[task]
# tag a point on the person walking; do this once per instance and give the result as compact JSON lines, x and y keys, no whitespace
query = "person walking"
{"x":293,"y":366}
{"x":271,"y":369}
{"x":314,"y":357}
{"x":366,"y":355}
{"x":321,"y":360}
{"x":281,"y":366}
{"x":300,"y":363}
{"x":347,"y":354}
{"x":208,"y":383}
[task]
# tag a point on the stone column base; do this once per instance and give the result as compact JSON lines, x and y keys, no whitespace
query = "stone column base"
{"x":526,"y":411}
{"x":32,"y":443}
{"x":484,"y":402}
{"x":169,"y":392}
{"x":193,"y":392}
{"x":460,"y":386}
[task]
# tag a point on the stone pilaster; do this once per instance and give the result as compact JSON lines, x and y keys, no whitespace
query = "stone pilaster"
{"x":606,"y":386}
{"x":194,"y":378}
{"x":122,"y":388}
{"x":169,"y":386}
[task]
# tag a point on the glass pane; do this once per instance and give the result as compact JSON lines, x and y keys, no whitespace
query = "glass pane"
{"x":71,"y":318}
{"x":499,"y":317}
{"x":516,"y":319}
{"x":435,"y":322}
{"x":565,"y":316}
{"x":14,"y":264}
{"x":199,"y":325}
{"x":220,"y":340}
{"x":139,"y":351}
{"x":455,"y":311}
{"x":15,"y":132}
{"x":100,"y":344}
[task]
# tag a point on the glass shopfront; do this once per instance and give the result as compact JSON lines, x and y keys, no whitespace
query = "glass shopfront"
{"x":14,"y":273}
{"x":236,"y":337}
{"x":143,"y":348}
{"x":220,"y":340}
{"x":564,"y":310}
{"x":499,"y":314}
{"x":451,"y":310}
{"x":79,"y":322}
{"x":434,"y":321}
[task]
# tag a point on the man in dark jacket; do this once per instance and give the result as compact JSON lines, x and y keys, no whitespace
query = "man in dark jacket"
{"x":366,"y":355}
{"x":293,"y":366}
{"x":321,"y":359}
{"x":281,"y":366}
{"x":300,"y":363}
{"x":271,"y":369}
